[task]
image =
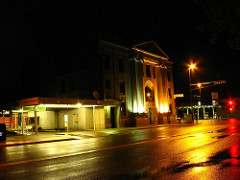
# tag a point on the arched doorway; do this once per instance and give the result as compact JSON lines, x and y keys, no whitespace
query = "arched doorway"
{"x":149,"y":101}
{"x":149,"y":94}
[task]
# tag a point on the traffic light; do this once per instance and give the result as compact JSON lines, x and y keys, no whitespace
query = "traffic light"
{"x":231,"y":105}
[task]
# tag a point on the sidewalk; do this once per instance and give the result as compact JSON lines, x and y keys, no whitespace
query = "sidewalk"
{"x":53,"y":136}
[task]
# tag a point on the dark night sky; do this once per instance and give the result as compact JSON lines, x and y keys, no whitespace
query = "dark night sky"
{"x":38,"y":32}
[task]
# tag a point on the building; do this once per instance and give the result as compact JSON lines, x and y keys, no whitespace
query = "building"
{"x":155,"y":83}
{"x":118,"y":86}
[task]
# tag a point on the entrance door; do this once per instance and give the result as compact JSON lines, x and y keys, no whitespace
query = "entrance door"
{"x":113,"y":122}
{"x":151,"y":115}
{"x":66,"y":122}
{"x":75,"y":121}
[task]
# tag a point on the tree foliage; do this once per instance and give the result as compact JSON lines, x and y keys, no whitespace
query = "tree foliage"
{"x":222,"y":21}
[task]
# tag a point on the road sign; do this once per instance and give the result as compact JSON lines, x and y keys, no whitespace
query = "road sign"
{"x":178,"y":95}
{"x":219,"y":82}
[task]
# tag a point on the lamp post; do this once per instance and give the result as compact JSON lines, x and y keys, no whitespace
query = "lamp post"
{"x":191,"y":67}
{"x":200,"y":93}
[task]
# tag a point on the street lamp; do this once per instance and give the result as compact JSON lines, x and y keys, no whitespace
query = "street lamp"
{"x":200,"y":94}
{"x":191,"y":67}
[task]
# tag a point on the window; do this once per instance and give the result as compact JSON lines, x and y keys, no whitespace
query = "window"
{"x":148,"y":72}
{"x":123,"y":109}
{"x":149,"y":94}
{"x":154,"y":76}
{"x":106,"y":62}
{"x":170,"y":108}
{"x":63,"y":87}
{"x":169,"y":92}
{"x":122,"y":87}
{"x":121,"y":65}
{"x":168,"y":75}
{"x":108,"y":84}
{"x":72,"y":84}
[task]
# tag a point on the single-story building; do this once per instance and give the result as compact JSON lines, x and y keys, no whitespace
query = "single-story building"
{"x":69,"y":114}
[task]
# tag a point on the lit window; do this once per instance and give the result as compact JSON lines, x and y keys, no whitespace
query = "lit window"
{"x":149,"y":94}
{"x":123,"y":109}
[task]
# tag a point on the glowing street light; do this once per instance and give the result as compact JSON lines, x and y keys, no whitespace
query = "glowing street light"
{"x":191,"y":67}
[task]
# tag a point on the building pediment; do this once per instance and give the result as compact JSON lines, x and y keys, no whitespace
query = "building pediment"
{"x":152,"y":49}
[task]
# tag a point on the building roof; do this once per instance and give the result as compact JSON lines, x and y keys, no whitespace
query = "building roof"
{"x":151,"y":47}
{"x":67,"y":102}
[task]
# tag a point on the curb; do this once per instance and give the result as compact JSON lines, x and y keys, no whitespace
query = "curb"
{"x":34,"y":142}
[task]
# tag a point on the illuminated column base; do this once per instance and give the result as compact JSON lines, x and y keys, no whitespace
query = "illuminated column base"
{"x":166,"y":118}
{"x":163,"y":118}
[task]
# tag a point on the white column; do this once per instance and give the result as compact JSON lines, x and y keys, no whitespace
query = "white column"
{"x":22,"y":121}
{"x":35,"y":119}
{"x":94,"y":120}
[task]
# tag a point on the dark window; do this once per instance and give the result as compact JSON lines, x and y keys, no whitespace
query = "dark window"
{"x":154,"y":76}
{"x":170,"y":107}
{"x":168,"y":75}
{"x":121,"y":65}
{"x":106,"y":62}
{"x":108,"y":84}
{"x":72,"y":84}
{"x":63,"y":87}
{"x":122,"y":87}
{"x":148,"y":72}
{"x":169,"y":92}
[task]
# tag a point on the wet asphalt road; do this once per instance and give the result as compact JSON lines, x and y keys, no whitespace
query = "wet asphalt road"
{"x":205,"y":150}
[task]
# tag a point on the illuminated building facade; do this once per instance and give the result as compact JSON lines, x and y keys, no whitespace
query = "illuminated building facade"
{"x":121,"y":86}
{"x":141,"y":79}
{"x":154,"y":84}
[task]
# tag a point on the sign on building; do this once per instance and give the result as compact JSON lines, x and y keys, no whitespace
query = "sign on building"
{"x":214,"y":98}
